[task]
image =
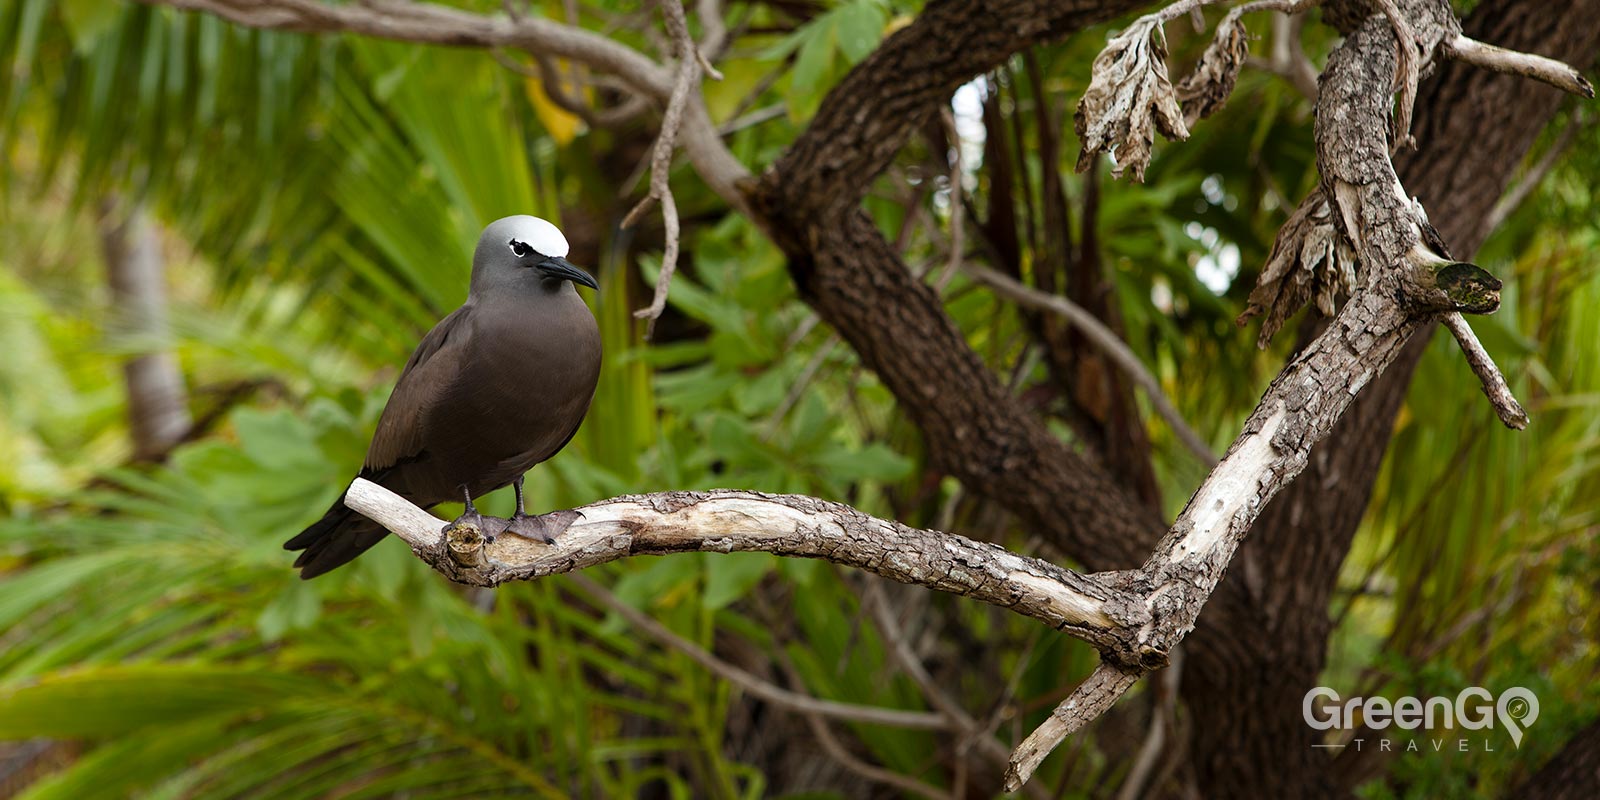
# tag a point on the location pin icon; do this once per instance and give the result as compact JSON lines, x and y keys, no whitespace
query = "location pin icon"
{"x":1517,"y":708}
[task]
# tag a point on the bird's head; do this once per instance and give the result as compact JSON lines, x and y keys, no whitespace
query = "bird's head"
{"x":512,"y":245}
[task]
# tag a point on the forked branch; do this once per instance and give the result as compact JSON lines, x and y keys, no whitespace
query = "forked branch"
{"x":787,"y":525}
{"x":690,"y":64}
{"x":1408,"y":278}
{"x":1141,"y":615}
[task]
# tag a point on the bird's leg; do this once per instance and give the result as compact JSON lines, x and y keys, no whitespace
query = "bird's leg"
{"x":544,"y":527}
{"x":488,"y":526}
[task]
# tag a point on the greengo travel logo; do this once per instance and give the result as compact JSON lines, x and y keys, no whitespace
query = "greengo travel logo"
{"x":1464,"y":723}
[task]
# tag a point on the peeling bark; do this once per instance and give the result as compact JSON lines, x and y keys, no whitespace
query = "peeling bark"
{"x":787,"y":525}
{"x":1473,"y":129}
{"x":975,"y":430}
{"x":808,"y":201}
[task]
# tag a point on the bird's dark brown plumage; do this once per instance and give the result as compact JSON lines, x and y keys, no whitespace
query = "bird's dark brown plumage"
{"x":496,"y":387}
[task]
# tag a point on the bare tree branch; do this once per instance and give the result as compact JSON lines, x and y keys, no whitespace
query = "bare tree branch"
{"x":837,"y":750}
{"x":713,"y":33}
{"x":690,"y":63}
{"x":555,"y":87}
{"x":1528,"y":65}
{"x":430,"y":23}
{"x":788,"y":525}
{"x":1514,"y":197}
{"x":877,"y":603}
{"x":756,"y":687}
{"x":1092,"y":698}
{"x":1408,"y":281}
{"x":1109,"y":343}
{"x":1505,"y":404}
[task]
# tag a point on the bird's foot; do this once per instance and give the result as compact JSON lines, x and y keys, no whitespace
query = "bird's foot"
{"x":544,"y":527}
{"x":488,"y":527}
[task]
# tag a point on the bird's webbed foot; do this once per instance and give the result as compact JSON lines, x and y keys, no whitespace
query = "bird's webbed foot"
{"x":488,"y":527}
{"x":544,"y":527}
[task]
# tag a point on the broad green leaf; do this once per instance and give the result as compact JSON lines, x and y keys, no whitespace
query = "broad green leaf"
{"x":812,"y":65}
{"x":644,"y":587}
{"x":296,"y":607}
{"x":729,"y":576}
{"x":119,"y":700}
{"x":875,"y":462}
{"x":859,"y":27}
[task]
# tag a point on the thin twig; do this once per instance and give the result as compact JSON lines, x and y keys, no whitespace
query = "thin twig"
{"x":877,"y":600}
{"x":1287,"y":8}
{"x":802,"y":382}
{"x":1407,"y":74}
{"x":1162,"y":720}
{"x":840,"y":753}
{"x":753,"y":118}
{"x":1109,"y":343}
{"x":1494,"y":383}
{"x":554,"y":86}
{"x":957,"y":207}
{"x":1514,"y":198}
{"x":690,"y":63}
{"x":431,"y":23}
{"x":713,"y":33}
{"x":1097,"y":693}
{"x":776,"y":695}
{"x":1511,"y":62}
{"x":1181,"y":8}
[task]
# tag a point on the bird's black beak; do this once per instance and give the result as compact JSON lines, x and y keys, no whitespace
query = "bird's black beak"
{"x":563,"y":269}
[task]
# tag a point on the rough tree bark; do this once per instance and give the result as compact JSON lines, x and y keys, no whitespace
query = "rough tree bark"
{"x":1573,"y":774}
{"x":1473,"y":129}
{"x":809,"y":202}
{"x":788,"y":525}
{"x":974,"y":429}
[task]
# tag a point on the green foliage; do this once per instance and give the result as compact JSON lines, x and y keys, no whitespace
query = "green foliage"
{"x":320,"y":196}
{"x":825,"y":47}
{"x":157,"y":607}
{"x":1480,"y":540}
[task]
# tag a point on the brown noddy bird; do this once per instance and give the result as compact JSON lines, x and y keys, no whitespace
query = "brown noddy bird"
{"x":496,"y":387}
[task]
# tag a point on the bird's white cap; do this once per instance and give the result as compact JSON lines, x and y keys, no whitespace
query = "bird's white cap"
{"x":543,"y":237}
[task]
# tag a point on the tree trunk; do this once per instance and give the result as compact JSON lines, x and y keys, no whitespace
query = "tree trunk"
{"x":1473,"y":129}
{"x":158,"y":405}
{"x":1573,"y":774}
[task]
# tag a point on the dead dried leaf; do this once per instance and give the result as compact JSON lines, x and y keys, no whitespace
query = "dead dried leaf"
{"x":1129,"y":97}
{"x":1204,"y":90}
{"x":1309,"y":260}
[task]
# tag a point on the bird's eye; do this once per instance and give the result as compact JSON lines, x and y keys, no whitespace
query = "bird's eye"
{"x":520,"y":249}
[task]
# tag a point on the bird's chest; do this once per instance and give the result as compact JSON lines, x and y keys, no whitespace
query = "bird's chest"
{"x":532,"y":377}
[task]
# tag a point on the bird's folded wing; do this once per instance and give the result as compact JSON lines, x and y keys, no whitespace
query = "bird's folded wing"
{"x":430,"y":372}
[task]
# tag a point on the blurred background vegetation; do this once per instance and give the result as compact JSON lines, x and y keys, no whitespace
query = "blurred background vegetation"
{"x":316,"y":201}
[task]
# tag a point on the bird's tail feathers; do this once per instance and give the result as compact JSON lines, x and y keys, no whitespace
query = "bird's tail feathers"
{"x":334,"y":540}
